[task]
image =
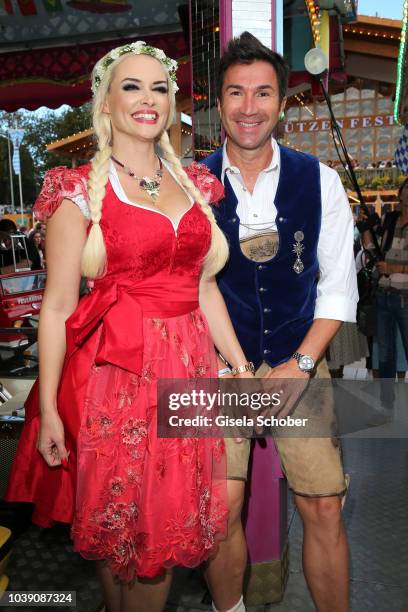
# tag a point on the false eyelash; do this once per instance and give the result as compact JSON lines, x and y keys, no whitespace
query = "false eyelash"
{"x":133,"y":86}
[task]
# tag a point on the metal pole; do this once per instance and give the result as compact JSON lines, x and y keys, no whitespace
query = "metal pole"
{"x":349,"y":167}
{"x":21,"y":198}
{"x":11,"y":175}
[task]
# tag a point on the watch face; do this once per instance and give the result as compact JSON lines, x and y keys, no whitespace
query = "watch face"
{"x":306,"y":363}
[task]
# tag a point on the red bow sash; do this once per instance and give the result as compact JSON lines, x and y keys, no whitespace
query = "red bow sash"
{"x":120,"y":310}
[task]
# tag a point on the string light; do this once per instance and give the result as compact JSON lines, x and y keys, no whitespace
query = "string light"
{"x":187,"y":151}
{"x":314,"y":18}
{"x":401,"y":66}
{"x":290,"y":145}
{"x":305,"y":107}
{"x":75,"y":136}
{"x":371,"y":33}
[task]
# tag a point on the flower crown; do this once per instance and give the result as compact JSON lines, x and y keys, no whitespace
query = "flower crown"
{"x":138,"y":48}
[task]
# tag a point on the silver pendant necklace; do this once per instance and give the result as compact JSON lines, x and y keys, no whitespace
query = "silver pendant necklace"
{"x":148,"y":184}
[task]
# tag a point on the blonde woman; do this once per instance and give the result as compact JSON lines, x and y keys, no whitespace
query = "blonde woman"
{"x":146,"y":239}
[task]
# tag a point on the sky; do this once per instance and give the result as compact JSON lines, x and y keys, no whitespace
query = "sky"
{"x":392,"y":9}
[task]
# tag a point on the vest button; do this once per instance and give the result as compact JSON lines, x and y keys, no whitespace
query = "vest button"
{"x":262,"y":289}
{"x":233,"y":220}
{"x":266,"y":352}
{"x":261,"y":267}
{"x":267,"y":310}
{"x":281,"y":219}
{"x":266,"y":332}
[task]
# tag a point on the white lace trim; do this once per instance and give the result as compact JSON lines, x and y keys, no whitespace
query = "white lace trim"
{"x":82,"y":204}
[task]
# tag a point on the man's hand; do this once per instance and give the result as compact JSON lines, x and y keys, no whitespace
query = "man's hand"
{"x":288,"y":369}
{"x":290,"y":384}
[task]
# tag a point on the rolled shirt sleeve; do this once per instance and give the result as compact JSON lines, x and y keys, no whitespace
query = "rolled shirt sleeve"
{"x":337,"y":294}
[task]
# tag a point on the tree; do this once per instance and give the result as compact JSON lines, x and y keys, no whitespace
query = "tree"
{"x":29,"y":183}
{"x":41,"y":128}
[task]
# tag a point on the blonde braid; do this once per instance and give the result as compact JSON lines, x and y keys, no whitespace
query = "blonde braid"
{"x":218,"y":252}
{"x":94,"y":254}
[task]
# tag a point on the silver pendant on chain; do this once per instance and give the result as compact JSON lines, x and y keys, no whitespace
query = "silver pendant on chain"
{"x":151,"y":187}
{"x":298,"y":249}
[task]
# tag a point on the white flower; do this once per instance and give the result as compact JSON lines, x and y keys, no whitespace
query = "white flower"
{"x":115,"y":53}
{"x":160,"y":55}
{"x":136,"y":46}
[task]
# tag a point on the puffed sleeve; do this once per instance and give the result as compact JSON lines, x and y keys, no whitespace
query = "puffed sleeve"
{"x":211,"y":188}
{"x":63,"y":183}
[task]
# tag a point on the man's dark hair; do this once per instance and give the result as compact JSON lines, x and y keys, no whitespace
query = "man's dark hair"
{"x":402,"y":187}
{"x":246,"y":49}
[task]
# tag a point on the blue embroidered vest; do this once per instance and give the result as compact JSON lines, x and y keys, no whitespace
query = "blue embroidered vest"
{"x":270,"y":305}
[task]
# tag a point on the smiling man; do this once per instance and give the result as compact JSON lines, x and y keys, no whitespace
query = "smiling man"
{"x":289,"y":283}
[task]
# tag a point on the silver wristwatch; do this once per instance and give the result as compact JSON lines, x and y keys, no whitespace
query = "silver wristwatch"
{"x":305,"y":362}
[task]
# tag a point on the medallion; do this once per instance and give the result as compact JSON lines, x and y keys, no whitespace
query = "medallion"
{"x":298,"y":249}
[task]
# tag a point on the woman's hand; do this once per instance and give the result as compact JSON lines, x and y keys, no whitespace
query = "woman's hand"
{"x":382,"y":267}
{"x":222,"y":365}
{"x":365,"y":222}
{"x":51,"y":442}
{"x":387,"y":268}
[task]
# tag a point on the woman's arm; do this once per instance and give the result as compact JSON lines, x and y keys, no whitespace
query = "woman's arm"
{"x":222,"y":332}
{"x":66,"y":236}
{"x":385,"y":267}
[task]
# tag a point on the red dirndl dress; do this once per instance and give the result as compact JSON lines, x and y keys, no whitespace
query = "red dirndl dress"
{"x":139,"y":502}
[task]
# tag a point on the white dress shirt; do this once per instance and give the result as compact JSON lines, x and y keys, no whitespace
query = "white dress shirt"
{"x":337,"y":294}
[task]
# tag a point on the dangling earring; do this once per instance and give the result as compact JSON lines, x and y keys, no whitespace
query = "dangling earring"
{"x":282,"y":116}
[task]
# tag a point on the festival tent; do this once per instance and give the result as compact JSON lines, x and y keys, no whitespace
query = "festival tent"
{"x":48,"y":47}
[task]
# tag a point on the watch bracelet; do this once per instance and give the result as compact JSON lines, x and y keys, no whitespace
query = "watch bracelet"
{"x":246,"y":367}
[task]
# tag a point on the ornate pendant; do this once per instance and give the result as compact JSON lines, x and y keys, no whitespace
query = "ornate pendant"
{"x":298,"y":248}
{"x":151,"y":186}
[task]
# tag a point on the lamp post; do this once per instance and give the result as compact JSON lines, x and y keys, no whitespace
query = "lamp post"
{"x":317,"y":64}
{"x":16,"y":136}
{"x":10,"y":171}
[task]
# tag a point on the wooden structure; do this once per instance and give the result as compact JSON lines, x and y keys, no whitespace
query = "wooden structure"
{"x":78,"y":146}
{"x":371,"y":47}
